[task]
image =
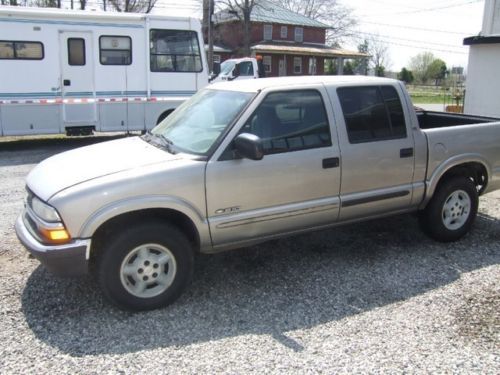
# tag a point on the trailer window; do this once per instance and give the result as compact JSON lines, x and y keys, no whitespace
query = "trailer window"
{"x":175,"y":51}
{"x":115,"y":50}
{"x":21,"y":50}
{"x":76,"y":51}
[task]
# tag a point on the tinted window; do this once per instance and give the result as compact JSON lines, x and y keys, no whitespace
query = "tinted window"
{"x":76,"y":51}
{"x":290,"y":121}
{"x":246,"y":68}
{"x":115,"y":50}
{"x":19,"y":50}
{"x":372,"y":113}
{"x":175,"y":51}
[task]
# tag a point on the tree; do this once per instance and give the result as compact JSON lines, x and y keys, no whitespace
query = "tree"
{"x":47,"y":3}
{"x":348,"y":69}
{"x":420,"y":64}
{"x":339,"y":17}
{"x":437,"y":71}
{"x":406,"y":76}
{"x":360,"y":65}
{"x":242,"y":10}
{"x":132,"y":6}
{"x":380,"y":59}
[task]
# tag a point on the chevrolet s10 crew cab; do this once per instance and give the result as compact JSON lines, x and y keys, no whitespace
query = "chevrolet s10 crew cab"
{"x":247,"y":161}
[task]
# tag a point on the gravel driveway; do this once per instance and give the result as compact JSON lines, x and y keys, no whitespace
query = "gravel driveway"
{"x":371,"y":297}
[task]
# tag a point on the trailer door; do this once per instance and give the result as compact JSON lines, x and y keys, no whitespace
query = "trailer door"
{"x":77,"y":79}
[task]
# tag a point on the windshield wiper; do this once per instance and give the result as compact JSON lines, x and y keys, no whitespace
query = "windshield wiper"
{"x":160,"y":140}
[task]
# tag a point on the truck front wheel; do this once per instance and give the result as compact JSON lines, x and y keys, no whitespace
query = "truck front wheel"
{"x":452,"y":210}
{"x":145,"y":267}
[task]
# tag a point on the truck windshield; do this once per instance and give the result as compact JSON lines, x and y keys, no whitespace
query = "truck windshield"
{"x":197,"y":124}
{"x":226,"y":67}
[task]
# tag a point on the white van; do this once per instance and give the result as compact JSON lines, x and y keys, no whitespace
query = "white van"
{"x":76,"y":71}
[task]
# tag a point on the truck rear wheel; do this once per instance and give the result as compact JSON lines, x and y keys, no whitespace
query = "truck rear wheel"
{"x":145,"y":267}
{"x":451,"y":212}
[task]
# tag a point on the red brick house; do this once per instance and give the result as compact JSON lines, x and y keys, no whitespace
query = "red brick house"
{"x":290,"y":43}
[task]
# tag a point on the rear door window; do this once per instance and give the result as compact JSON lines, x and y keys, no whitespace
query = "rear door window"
{"x":372,"y":113}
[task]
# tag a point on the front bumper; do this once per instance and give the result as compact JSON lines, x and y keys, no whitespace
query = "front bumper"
{"x":70,"y":259}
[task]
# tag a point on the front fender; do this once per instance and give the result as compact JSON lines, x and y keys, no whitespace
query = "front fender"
{"x":143,"y":203}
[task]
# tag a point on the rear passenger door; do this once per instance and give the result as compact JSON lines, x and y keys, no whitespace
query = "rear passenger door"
{"x":294,"y":187}
{"x":377,"y":151}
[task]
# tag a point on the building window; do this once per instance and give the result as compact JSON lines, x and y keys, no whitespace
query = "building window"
{"x":372,"y":113}
{"x":268,"y":32}
{"x":18,"y":50}
{"x":299,"y":34}
{"x":76,"y":51}
{"x":216,"y":59}
{"x":175,"y":51}
{"x":115,"y":50}
{"x":267,"y":62}
{"x":297,"y":65}
{"x":284,"y":32}
{"x":312,"y":65}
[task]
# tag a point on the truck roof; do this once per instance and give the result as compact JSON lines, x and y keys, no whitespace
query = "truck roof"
{"x":254,"y":85}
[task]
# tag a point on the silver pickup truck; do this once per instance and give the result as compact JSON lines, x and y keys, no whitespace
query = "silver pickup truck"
{"x":248,"y":161}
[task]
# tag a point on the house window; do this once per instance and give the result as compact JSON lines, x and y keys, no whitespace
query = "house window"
{"x":268,"y":32}
{"x":76,"y":51}
{"x":297,"y":65}
{"x":17,"y":50}
{"x":216,"y":59}
{"x":174,"y":51}
{"x":299,"y":34}
{"x":267,"y":62}
{"x":284,"y":32}
{"x":115,"y":50}
{"x":312,"y":65}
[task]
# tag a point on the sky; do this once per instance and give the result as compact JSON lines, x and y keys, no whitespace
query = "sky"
{"x":407,"y":27}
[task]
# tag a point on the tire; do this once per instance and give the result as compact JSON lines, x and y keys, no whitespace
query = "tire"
{"x":451,"y":211}
{"x":145,"y":267}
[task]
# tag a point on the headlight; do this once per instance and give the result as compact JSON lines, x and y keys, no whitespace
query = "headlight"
{"x":44,"y":211}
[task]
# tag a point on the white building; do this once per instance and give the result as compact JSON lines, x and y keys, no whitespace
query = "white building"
{"x":483,"y":78}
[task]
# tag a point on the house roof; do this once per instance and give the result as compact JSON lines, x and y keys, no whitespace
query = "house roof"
{"x":305,"y":49}
{"x":267,"y":12}
{"x":493,"y":39}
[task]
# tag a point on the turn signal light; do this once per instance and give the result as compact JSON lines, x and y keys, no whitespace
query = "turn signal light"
{"x":56,"y":235}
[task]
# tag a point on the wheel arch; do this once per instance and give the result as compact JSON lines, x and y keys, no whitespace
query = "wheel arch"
{"x":164,"y":115}
{"x":474,"y":167}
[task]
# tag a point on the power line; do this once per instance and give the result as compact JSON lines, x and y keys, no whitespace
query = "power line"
{"x":410,"y":40}
{"x":417,"y":47}
{"x":422,"y":10}
{"x":415,"y":28}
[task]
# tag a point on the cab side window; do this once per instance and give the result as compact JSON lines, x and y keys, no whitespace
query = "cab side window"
{"x":372,"y":113}
{"x":290,"y":121}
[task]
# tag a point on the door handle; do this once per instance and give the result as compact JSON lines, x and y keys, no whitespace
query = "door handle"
{"x":331,"y":163}
{"x":406,"y":152}
{"x":67,"y":82}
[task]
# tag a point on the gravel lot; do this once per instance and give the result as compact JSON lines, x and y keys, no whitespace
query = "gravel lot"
{"x":372,"y":297}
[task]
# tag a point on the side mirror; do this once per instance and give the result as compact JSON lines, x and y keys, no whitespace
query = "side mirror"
{"x":249,"y":146}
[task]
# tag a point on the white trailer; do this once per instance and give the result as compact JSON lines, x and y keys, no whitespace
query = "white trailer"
{"x":74,"y":71}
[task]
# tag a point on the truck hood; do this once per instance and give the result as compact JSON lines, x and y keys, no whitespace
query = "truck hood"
{"x":86,"y":163}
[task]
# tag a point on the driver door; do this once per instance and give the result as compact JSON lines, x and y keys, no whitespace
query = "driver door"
{"x":294,"y":187}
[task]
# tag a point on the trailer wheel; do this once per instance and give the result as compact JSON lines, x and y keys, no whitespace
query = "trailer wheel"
{"x":145,"y":267}
{"x":452,"y":211}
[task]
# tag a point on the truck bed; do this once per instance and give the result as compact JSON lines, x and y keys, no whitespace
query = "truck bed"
{"x":431,"y":119}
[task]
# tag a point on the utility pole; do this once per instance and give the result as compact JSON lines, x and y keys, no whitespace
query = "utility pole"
{"x":210,"y":36}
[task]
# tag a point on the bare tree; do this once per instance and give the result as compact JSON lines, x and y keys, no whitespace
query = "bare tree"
{"x":380,"y":59}
{"x":133,"y":6}
{"x":338,"y":17}
{"x":46,"y":3}
{"x":242,"y":10}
